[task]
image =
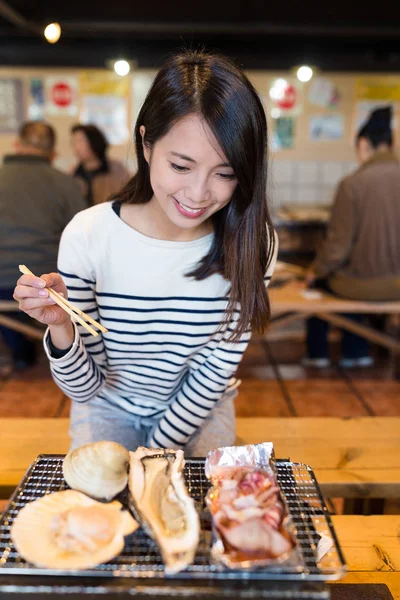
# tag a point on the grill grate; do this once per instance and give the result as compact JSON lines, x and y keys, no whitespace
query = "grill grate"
{"x":141,"y":557}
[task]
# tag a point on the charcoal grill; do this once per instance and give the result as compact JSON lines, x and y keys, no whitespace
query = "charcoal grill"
{"x":139,"y":567}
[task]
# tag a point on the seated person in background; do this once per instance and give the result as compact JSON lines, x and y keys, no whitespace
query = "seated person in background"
{"x":36,"y":204}
{"x":360,"y":258}
{"x":99,"y":176}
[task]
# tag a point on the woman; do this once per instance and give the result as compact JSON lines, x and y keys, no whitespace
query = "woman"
{"x":99,"y":176}
{"x":175,"y":267}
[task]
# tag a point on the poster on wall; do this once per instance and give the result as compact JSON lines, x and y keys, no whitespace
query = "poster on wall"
{"x":323,"y":92}
{"x":105,"y":104}
{"x":62,"y":96}
{"x":11,"y":105}
{"x":141,"y":83}
{"x":325,"y":128}
{"x":378,"y":89}
{"x":285,"y":97}
{"x":99,"y":83}
{"x":283,"y":133}
{"x":109,"y":113}
{"x":36,"y":106}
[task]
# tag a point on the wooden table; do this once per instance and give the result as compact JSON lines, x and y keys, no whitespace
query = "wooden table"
{"x":351,"y":457}
{"x":289,"y":303}
{"x":371,"y":546}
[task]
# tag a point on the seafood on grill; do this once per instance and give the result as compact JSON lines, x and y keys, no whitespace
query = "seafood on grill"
{"x":248,"y":515}
{"x":166,"y":510}
{"x":99,"y":470}
{"x":68,"y":530}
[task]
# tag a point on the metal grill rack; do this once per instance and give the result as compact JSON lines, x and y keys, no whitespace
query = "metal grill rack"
{"x":141,"y":559}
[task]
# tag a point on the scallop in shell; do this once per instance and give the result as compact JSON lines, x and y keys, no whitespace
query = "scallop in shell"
{"x":163,"y":504}
{"x":68,"y":530}
{"x":99,"y":470}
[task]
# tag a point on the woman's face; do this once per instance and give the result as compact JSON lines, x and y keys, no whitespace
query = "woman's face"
{"x":81,"y":147}
{"x":190,"y":175}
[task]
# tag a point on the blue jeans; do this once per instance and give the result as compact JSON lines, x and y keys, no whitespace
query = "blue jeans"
{"x":97,"y":420}
{"x":352,"y":345}
{"x":23,"y":350}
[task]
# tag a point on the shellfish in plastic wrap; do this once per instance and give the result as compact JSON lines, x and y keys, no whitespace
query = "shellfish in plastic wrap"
{"x":250,"y":518}
{"x":166,"y":511}
{"x":99,"y":470}
{"x":68,"y":530}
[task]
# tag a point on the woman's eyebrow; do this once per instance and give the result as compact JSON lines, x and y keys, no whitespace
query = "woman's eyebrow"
{"x":184,"y":157}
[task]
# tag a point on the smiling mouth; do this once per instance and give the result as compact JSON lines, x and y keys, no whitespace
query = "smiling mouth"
{"x":191,"y":211}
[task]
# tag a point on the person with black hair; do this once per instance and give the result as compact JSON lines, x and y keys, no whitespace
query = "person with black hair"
{"x":99,"y":176}
{"x":175,"y":267}
{"x":360,"y":257}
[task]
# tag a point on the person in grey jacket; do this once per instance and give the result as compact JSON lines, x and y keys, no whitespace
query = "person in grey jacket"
{"x":36,"y":203}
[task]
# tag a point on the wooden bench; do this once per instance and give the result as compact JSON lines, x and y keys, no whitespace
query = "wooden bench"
{"x":7,"y":306}
{"x":290,"y":303}
{"x":352,"y":458}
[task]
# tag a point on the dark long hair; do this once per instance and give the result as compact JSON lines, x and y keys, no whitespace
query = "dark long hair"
{"x":96,"y":139}
{"x":213,"y":87}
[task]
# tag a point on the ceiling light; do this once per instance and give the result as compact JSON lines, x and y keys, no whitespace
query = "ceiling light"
{"x":52,"y":33}
{"x":304,"y":73}
{"x":122,"y":67}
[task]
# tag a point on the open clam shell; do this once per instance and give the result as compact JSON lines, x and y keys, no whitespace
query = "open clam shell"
{"x":99,"y":470}
{"x":67,"y":530}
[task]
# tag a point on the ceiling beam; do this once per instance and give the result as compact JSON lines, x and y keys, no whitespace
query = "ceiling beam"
{"x":14,"y":17}
{"x":250,"y":28}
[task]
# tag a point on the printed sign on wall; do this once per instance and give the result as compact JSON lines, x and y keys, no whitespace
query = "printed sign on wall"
{"x":105,"y":104}
{"x":62,"y":96}
{"x":286,"y":97}
{"x":11,"y":106}
{"x":36,"y":100}
{"x":324,"y":128}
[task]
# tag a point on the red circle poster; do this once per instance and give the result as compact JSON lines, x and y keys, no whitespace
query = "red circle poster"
{"x":61,"y":94}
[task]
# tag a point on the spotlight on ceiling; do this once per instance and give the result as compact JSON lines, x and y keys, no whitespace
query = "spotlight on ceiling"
{"x":122,"y":67}
{"x":304,"y":73}
{"x":52,"y":33}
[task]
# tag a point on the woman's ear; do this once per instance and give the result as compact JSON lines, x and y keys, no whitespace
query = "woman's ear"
{"x":146,"y":149}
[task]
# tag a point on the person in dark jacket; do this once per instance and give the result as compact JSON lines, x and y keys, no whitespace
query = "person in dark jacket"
{"x":360,"y":258}
{"x":36,"y":203}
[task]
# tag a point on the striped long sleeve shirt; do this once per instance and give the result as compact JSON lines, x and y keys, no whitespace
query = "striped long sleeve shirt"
{"x":162,"y":357}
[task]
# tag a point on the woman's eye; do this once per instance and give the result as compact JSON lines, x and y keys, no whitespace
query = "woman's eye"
{"x":179,"y":168}
{"x":228,"y":176}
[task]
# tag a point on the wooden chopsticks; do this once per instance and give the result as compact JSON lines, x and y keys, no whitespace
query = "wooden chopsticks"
{"x":76,"y":313}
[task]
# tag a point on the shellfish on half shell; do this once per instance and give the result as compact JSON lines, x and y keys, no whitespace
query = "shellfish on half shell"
{"x":68,"y":530}
{"x":99,"y":470}
{"x":167,"y":512}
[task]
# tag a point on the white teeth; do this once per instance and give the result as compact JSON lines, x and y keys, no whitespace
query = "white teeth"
{"x":191,"y":210}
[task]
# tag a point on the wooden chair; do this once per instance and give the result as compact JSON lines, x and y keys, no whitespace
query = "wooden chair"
{"x":7,"y":306}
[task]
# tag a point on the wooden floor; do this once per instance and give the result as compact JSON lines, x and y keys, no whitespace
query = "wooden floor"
{"x":274,"y":384}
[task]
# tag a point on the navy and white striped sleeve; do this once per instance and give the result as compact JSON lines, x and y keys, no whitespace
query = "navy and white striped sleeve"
{"x":80,"y":373}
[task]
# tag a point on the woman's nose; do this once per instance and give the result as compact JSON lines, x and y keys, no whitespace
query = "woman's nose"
{"x":198,"y":193}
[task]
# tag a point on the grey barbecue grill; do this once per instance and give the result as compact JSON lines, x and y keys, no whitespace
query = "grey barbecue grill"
{"x":138,"y":571}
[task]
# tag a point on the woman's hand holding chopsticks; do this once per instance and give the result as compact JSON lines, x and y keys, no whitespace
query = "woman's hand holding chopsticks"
{"x":34,"y":299}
